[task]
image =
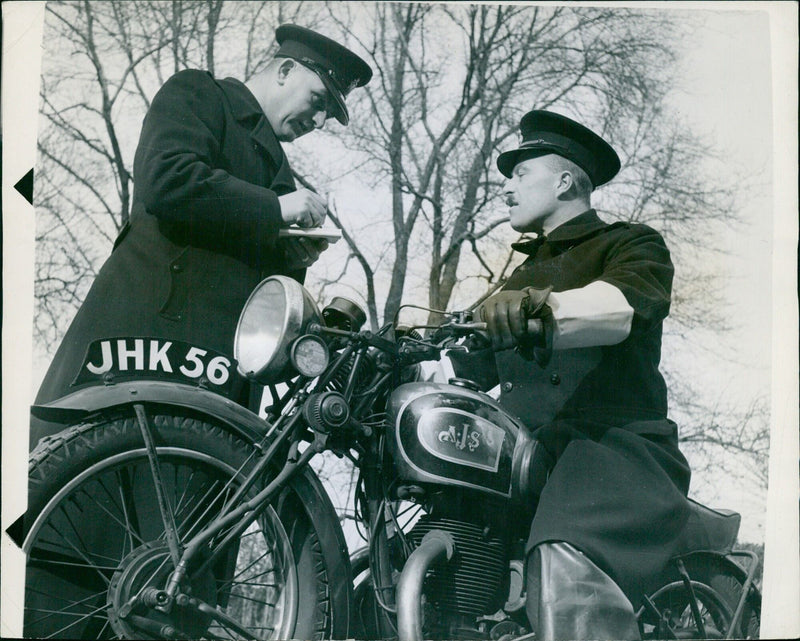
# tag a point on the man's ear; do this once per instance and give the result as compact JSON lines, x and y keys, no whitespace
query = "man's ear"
{"x":284,"y":69}
{"x":565,"y":183}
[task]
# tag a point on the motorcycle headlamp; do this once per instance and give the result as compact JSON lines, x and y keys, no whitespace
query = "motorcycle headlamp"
{"x":275,"y":314}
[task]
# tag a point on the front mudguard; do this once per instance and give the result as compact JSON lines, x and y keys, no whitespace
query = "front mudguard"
{"x":92,"y":402}
{"x":78,"y":406}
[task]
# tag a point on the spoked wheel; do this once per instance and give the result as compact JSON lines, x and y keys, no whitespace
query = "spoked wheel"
{"x":98,"y":554}
{"x":678,"y":619}
{"x":717,"y":592}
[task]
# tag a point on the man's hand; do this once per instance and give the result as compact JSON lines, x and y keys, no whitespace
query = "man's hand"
{"x":506,"y":314}
{"x":302,"y":252}
{"x":303,"y":208}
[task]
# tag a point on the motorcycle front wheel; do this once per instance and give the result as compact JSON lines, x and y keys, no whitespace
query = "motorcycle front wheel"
{"x":96,"y":540}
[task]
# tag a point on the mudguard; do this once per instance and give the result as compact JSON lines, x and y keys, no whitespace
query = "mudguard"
{"x":743,"y":570}
{"x":77,"y":406}
{"x":91,"y":402}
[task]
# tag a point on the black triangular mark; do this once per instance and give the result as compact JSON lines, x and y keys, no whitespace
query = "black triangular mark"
{"x":25,"y":186}
{"x":17,"y":531}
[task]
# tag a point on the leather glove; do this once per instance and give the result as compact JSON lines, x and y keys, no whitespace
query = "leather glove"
{"x":506,"y":314}
{"x":301,"y":253}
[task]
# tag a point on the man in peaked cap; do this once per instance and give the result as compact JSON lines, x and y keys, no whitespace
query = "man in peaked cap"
{"x":213,"y":187}
{"x":609,"y":516}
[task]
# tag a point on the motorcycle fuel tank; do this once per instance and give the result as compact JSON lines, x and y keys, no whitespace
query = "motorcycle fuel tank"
{"x":449,"y":435}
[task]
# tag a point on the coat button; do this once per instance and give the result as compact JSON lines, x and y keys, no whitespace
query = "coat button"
{"x":506,"y":387}
{"x":176,"y":267}
{"x":555,"y":379}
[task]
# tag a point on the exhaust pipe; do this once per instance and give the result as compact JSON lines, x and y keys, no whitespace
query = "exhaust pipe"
{"x":435,"y":545}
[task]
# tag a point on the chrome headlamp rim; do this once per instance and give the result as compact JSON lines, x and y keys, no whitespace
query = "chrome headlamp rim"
{"x":299,"y":309}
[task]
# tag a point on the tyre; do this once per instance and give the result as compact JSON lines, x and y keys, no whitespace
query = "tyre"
{"x":96,"y":539}
{"x":717,"y":584}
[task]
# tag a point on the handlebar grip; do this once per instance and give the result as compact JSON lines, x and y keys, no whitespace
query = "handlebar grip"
{"x":534,"y":326}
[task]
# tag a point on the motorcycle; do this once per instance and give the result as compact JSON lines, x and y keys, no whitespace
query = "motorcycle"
{"x":165,"y":510}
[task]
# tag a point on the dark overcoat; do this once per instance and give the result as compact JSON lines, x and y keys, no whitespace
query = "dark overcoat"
{"x":203,"y":230}
{"x":618,"y":487}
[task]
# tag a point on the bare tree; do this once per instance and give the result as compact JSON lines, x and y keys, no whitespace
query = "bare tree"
{"x":451,"y":82}
{"x":723,"y":436}
{"x":105,"y":61}
{"x":454,"y":81}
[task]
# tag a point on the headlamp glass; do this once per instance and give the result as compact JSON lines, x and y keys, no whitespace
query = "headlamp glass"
{"x":274,"y":315}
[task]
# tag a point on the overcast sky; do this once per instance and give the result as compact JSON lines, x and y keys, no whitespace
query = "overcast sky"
{"x":726,"y":94}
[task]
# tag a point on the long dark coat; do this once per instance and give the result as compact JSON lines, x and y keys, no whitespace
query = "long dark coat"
{"x":208,"y":171}
{"x":618,"y":488}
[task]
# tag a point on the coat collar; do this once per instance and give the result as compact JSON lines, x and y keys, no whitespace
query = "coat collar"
{"x":245,"y":109}
{"x":573,"y":230}
{"x":242,"y":101}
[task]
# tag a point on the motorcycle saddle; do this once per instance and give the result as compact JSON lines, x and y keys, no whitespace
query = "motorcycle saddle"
{"x":709,"y":530}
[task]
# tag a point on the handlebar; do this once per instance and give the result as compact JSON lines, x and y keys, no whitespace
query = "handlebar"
{"x":534,"y":326}
{"x":417,"y":351}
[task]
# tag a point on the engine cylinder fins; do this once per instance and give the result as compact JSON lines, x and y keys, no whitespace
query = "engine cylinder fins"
{"x":470,"y":583}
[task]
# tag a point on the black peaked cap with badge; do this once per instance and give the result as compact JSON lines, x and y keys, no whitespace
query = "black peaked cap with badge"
{"x":340,"y":69}
{"x":545,"y":132}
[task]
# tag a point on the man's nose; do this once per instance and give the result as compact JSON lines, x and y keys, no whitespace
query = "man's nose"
{"x":319,"y":119}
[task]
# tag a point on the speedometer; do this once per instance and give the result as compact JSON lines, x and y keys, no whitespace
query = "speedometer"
{"x":309,"y":355}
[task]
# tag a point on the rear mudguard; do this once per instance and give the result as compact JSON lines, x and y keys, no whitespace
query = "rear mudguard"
{"x":744,"y":574}
{"x":727,"y":558}
{"x":706,"y":567}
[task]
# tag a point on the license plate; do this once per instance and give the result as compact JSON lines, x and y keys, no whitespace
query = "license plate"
{"x":111,"y":359}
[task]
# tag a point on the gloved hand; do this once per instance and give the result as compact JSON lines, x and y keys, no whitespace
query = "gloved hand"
{"x":302,"y":252}
{"x":506,"y":314}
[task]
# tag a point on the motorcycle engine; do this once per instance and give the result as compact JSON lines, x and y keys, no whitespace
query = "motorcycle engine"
{"x":475,"y":470}
{"x":474,"y":584}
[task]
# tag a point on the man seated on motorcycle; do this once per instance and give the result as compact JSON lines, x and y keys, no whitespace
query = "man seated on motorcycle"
{"x":213,"y":188}
{"x":609,"y":515}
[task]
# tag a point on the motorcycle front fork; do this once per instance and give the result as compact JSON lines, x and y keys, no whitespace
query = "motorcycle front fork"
{"x":237,"y":514}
